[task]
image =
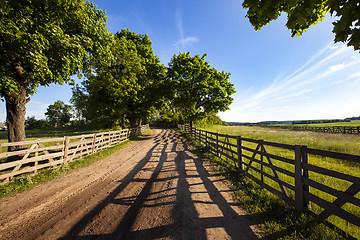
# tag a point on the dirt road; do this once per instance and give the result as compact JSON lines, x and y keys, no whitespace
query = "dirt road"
{"x":154,"y":188}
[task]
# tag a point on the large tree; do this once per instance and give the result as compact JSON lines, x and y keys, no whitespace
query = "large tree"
{"x":110,"y":88}
{"x":129,"y":88}
{"x":303,"y":14}
{"x":197,"y":88}
{"x":44,"y":42}
{"x":58,"y":113}
{"x":150,"y":94}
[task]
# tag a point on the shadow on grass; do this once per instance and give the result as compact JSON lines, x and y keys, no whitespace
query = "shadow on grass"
{"x":278,"y":219}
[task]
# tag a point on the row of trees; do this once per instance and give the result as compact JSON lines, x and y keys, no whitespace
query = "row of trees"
{"x":45,"y":42}
{"x":137,"y":88}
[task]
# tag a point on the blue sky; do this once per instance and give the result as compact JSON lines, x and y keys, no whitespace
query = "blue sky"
{"x":276,"y":77}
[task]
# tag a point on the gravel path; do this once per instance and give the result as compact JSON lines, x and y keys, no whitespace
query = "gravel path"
{"x":154,"y":188}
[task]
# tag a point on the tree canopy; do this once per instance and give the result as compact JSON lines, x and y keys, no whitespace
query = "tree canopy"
{"x":126,"y":90}
{"x":58,"y":113}
{"x":44,"y":42}
{"x":303,"y":14}
{"x":197,"y":89}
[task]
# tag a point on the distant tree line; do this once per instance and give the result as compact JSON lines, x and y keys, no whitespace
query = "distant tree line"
{"x":320,"y":121}
{"x":352,"y":119}
{"x":266,"y":123}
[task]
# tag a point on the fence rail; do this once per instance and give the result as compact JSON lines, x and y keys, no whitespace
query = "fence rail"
{"x":53,"y":152}
{"x":302,"y":176}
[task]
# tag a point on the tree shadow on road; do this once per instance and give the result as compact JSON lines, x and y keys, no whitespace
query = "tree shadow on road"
{"x":178,"y":181}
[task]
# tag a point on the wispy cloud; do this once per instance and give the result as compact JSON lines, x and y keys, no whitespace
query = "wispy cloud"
{"x":314,"y":82}
{"x":183,"y":42}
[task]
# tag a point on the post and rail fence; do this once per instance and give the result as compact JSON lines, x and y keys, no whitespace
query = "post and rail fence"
{"x":54,"y":152}
{"x":294,"y":173}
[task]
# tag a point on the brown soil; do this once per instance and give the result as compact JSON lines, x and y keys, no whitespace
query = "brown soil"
{"x":155,"y":188}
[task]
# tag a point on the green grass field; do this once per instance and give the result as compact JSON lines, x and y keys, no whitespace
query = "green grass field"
{"x":331,"y":142}
{"x":344,"y":143}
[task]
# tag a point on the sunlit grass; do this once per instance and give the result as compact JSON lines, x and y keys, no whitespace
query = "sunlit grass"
{"x":278,"y":219}
{"x":344,"y":143}
{"x":339,"y":143}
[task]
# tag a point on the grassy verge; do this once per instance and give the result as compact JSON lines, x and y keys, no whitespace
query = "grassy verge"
{"x":27,"y":181}
{"x":275,"y":217}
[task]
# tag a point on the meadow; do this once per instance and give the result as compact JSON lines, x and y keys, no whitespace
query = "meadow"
{"x":344,"y":143}
{"x":331,"y":142}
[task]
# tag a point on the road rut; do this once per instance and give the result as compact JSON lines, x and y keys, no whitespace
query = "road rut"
{"x":154,"y":188}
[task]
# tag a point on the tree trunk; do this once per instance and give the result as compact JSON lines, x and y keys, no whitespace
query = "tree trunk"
{"x":15,"y":119}
{"x":122,"y":122}
{"x":15,"y":111}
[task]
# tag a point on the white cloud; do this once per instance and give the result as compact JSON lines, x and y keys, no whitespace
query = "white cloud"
{"x":183,"y":42}
{"x":336,"y":67}
{"x":312,"y":90}
{"x":186,"y":41}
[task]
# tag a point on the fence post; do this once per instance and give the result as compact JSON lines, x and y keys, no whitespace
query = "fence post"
{"x":239,"y":152}
{"x":66,"y":149}
{"x":304,"y":159}
{"x":206,"y":139}
{"x":261,"y":142}
{"x":299,"y":184}
{"x":93,"y":144}
{"x":217,"y":144}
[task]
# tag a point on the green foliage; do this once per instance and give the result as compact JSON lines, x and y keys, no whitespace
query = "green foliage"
{"x":45,"y":42}
{"x":210,"y":119}
{"x":50,"y":40}
{"x":79,"y":100}
{"x":303,"y":14}
{"x":317,"y":121}
{"x":32,"y":123}
{"x":197,"y":89}
{"x":58,"y":113}
{"x":128,"y":89}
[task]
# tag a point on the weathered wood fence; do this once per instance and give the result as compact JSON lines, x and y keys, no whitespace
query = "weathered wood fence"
{"x":53,"y":152}
{"x":302,"y":176}
{"x":334,"y":129}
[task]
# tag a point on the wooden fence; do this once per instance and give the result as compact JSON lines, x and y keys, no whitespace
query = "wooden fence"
{"x":304,"y":177}
{"x":53,"y":152}
{"x":334,"y":129}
